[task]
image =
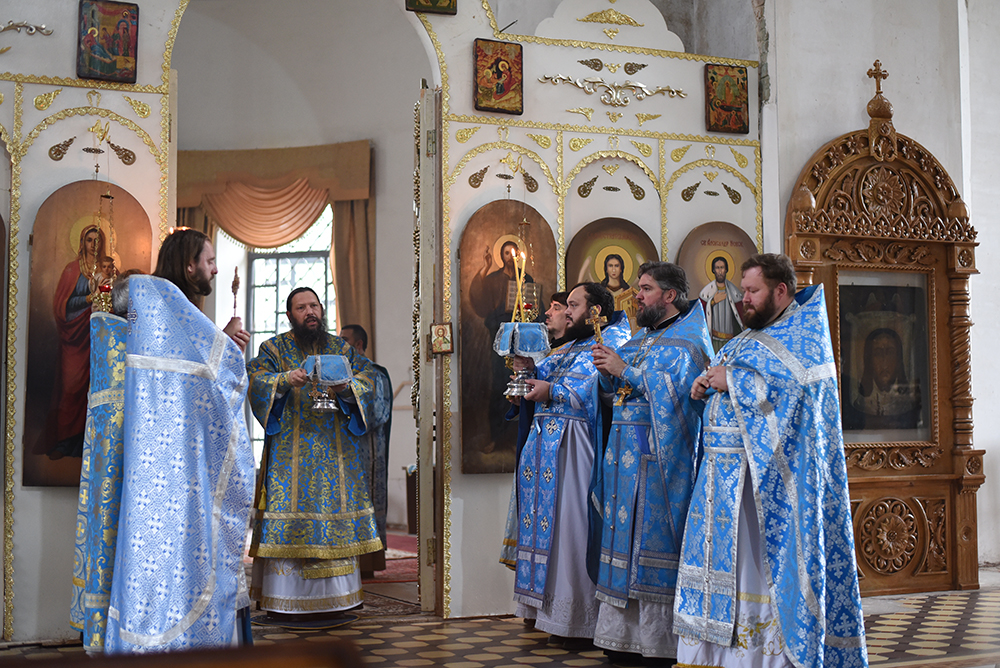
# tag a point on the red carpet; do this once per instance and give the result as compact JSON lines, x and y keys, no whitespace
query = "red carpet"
{"x":402,"y":569}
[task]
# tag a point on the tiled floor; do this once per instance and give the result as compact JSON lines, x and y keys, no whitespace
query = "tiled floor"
{"x":943,"y":630}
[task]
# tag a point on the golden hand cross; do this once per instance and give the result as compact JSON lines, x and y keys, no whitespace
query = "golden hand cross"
{"x":597,"y":320}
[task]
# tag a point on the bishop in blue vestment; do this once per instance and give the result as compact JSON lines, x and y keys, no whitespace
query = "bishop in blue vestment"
{"x":644,"y":476}
{"x":314,"y":512}
{"x":552,"y":584}
{"x":768,"y":575}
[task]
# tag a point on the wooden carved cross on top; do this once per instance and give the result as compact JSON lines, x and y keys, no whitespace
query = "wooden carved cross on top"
{"x":597,"y":320}
{"x":878,"y":74}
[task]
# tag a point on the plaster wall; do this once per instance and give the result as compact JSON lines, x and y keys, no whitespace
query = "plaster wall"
{"x":45,"y":517}
{"x":984,"y":102}
{"x":338,"y":73}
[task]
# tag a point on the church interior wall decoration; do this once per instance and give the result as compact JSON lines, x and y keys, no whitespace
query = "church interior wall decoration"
{"x":109,"y":36}
{"x":76,"y":241}
{"x":876,"y":219}
{"x":711,"y":256}
{"x":433,"y":6}
{"x":499,"y":72}
{"x":486,"y":272}
{"x":726,"y":100}
{"x":609,"y":251}
{"x":641,"y":132}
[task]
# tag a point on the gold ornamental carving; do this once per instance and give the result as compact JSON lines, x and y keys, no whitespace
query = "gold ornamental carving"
{"x":881,"y":133}
{"x":465,"y":134}
{"x":141,"y":109}
{"x":642,"y":118}
{"x":611,"y":33}
{"x":888,"y":535}
{"x":678,"y":153}
{"x":29,"y":28}
{"x":586,"y":188}
{"x":1,"y":98}
{"x":44,"y":100}
{"x":613,"y":67}
{"x":711,"y":176}
{"x":614,"y":94}
{"x":94,"y":98}
{"x":127,"y":156}
{"x":615,"y":116}
{"x":583,"y":111}
{"x":645,"y":149}
{"x":611,"y":17}
{"x":530,"y":182}
{"x":610,"y":169}
{"x":542,"y":140}
{"x":734,"y":195}
{"x":595,"y":64}
{"x":871,"y":251}
{"x":577,"y":143}
{"x":637,"y":192}
{"x":58,"y":152}
{"x":740,"y":159}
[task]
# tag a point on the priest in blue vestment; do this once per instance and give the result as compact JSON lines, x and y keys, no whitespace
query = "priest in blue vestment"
{"x":768,"y":574}
{"x":187,"y":476}
{"x":644,"y":476}
{"x":552,"y":583}
{"x":314,"y":512}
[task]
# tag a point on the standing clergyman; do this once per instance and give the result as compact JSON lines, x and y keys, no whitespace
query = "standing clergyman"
{"x":768,"y":574}
{"x":554,"y":572}
{"x":644,"y":476}
{"x":314,"y":515}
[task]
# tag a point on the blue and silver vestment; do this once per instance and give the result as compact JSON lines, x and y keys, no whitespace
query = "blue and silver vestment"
{"x":777,"y":428}
{"x":187,"y":481}
{"x":553,"y":474}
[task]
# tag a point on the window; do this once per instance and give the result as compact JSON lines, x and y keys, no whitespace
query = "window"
{"x":273,"y":273}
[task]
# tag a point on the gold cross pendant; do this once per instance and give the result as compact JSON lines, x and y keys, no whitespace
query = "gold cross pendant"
{"x":623,"y":393}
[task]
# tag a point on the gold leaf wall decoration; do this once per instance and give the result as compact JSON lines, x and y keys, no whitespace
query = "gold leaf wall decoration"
{"x":632,"y":68}
{"x":577,"y":143}
{"x":734,"y":195}
{"x":613,"y":68}
{"x":542,"y":140}
{"x":595,"y":64}
{"x":614,"y":115}
{"x":678,"y":153}
{"x":465,"y":134}
{"x":642,"y":118}
{"x":741,"y":159}
{"x":583,"y":111}
{"x":612,"y":17}
{"x":530,"y":183}
{"x":611,"y":32}
{"x":476,"y":180}
{"x":140,"y":108}
{"x":710,"y":176}
{"x":44,"y":100}
{"x":710,"y":152}
{"x":688,"y":193}
{"x":58,"y":152}
{"x":585,"y":188}
{"x":637,"y":192}
{"x":610,"y":169}
{"x":645,"y":149}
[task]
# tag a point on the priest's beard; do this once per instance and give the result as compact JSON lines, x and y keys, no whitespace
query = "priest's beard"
{"x":651,"y":314}
{"x":578,"y":330}
{"x":758,"y":318}
{"x":310,"y":331}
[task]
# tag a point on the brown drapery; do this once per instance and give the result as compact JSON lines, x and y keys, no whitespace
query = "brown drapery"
{"x":266,"y":217}
{"x":353,"y":261}
{"x":263,"y":198}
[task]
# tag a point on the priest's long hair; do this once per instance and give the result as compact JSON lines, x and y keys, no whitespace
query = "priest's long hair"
{"x":182,"y":247}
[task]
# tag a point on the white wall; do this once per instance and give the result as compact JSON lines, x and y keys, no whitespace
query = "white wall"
{"x":252,"y":75}
{"x":984,"y":35}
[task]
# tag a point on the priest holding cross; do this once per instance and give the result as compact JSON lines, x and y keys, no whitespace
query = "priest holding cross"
{"x":556,"y":564}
